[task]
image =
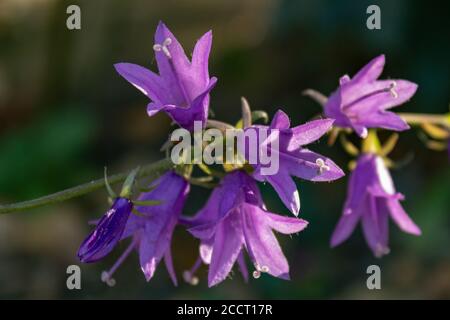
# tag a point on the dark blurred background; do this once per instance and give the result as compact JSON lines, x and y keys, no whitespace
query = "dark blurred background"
{"x":65,"y":113}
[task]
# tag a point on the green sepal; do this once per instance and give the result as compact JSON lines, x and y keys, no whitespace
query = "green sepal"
{"x":146,"y":203}
{"x":111,"y":193}
{"x":148,"y":189}
{"x":128,"y":184}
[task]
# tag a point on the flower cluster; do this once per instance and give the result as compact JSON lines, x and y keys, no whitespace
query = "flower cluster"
{"x":235,"y":220}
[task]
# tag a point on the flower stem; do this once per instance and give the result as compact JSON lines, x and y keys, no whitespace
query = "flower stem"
{"x":421,"y":118}
{"x":371,"y":144}
{"x":150,"y":170}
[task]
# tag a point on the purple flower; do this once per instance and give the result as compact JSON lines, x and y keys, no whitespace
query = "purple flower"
{"x":107,"y":233}
{"x":372,"y":199}
{"x":235,"y":218}
{"x":152,"y":227}
{"x":362,"y":102}
{"x":294,"y":159}
{"x":182,"y":87}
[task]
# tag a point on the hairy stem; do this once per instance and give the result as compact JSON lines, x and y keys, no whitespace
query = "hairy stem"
{"x":151,"y":170}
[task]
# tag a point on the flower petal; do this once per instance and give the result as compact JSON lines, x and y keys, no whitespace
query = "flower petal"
{"x":206,"y":249}
{"x":107,"y":233}
{"x":134,"y":223}
{"x":285,"y":225}
{"x":401,"y":218}
{"x":309,"y":132}
{"x":386,"y":120}
{"x":344,"y":228}
{"x":154,"y":244}
{"x":303,"y":164}
{"x":243,"y":266}
{"x":371,"y":71}
{"x":204,"y":231}
{"x":143,"y":79}
{"x":169,"y":266}
{"x":147,"y":257}
{"x":261,"y":243}
{"x":171,"y":189}
{"x":280,"y":121}
{"x":228,"y":242}
{"x":200,"y":57}
{"x":375,"y":226}
{"x":286,"y":190}
{"x":197,"y":110}
{"x":176,"y":70}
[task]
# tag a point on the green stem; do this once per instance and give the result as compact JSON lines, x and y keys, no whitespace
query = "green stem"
{"x":371,"y":144}
{"x":420,"y":118}
{"x":151,"y":170}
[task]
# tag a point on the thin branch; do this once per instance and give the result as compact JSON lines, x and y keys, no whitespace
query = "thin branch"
{"x":151,"y":170}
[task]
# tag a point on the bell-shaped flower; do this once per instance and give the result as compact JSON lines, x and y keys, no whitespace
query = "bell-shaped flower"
{"x":372,"y":199}
{"x":151,"y":227}
{"x":363,"y":101}
{"x":182,"y":87}
{"x":290,"y":155}
{"x":234,"y":219}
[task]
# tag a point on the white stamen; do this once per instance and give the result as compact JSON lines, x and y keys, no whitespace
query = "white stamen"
{"x":322,"y":166}
{"x":392,"y":90}
{"x":189,"y":278}
{"x":163,"y":47}
{"x":380,"y":250}
{"x":106,"y":278}
{"x":259,"y":270}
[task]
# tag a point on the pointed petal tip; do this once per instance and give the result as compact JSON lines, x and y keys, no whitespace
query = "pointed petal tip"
{"x":280,"y":113}
{"x":122,"y":67}
{"x":161,"y":24}
{"x":295,"y":204}
{"x":381,"y":58}
{"x":334,"y":242}
{"x":118,"y":65}
{"x":416,"y":232}
{"x":213,"y":281}
{"x":285,"y":276}
{"x":208,"y":34}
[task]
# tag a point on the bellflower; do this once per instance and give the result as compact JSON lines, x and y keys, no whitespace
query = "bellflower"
{"x":235,"y":218}
{"x":372,"y":199}
{"x":362,"y":102}
{"x":182,"y":87}
{"x":151,"y":227}
{"x":107,"y":233}
{"x":294,"y":159}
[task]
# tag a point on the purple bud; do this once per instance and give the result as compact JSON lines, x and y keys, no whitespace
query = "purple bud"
{"x":107,"y":232}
